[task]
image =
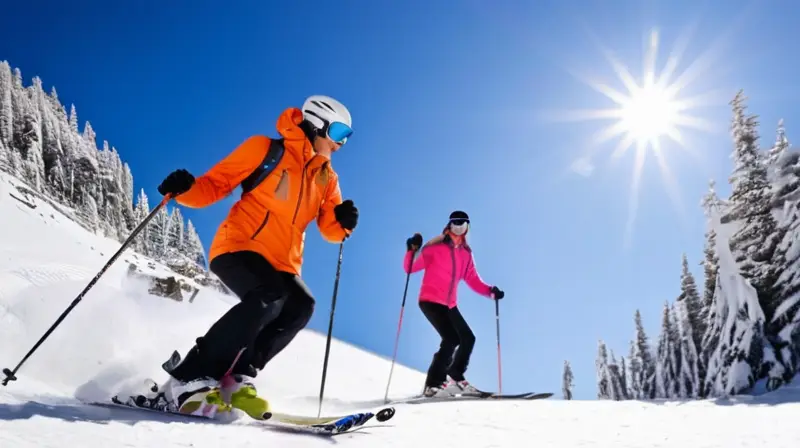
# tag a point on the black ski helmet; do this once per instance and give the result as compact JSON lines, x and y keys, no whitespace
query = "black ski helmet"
{"x":458,"y":214}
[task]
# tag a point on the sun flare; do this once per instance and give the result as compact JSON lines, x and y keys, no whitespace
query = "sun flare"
{"x":646,"y":114}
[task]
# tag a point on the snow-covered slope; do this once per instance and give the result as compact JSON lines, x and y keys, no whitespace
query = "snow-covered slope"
{"x":120,"y":334}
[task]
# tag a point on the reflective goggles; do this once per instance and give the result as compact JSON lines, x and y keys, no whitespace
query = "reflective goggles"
{"x":459,"y":221}
{"x":338,"y":132}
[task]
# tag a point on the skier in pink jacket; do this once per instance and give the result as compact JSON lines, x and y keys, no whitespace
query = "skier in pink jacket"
{"x":447,"y":259}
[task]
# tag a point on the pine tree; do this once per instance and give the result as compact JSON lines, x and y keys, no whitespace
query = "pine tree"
{"x":736,"y":361}
{"x":140,"y":213}
{"x":175,"y":230}
{"x":566,"y":383}
{"x":623,"y":379}
{"x":786,"y":319}
{"x":616,"y":391}
{"x":753,"y":245}
{"x":689,"y":374}
{"x":691,"y":308}
{"x":666,"y":362}
{"x":783,"y":169}
{"x":157,"y":241}
{"x":6,"y":117}
{"x":192,"y":246}
{"x":711,"y":334}
{"x":634,"y":373}
{"x":601,"y":367}
{"x":693,"y":303}
{"x":644,"y":373}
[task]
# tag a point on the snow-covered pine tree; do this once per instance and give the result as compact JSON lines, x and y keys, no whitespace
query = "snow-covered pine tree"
{"x":175,"y":230}
{"x":51,"y":151}
{"x":736,"y":362}
{"x":689,"y":299}
{"x":27,"y":133}
{"x":782,"y":327}
{"x":566,"y":381}
{"x":601,"y":367}
{"x":666,"y":362}
{"x":193,"y":246}
{"x":616,"y":391}
{"x":786,"y":319}
{"x":623,"y":378}
{"x":157,"y":234}
{"x":634,"y":373}
{"x":711,"y":334}
{"x":126,"y":183}
{"x":783,"y":169}
{"x":754,"y":244}
{"x":14,"y":158}
{"x":139,"y":214}
{"x":6,"y":114}
{"x":689,"y":373}
{"x":644,"y":375}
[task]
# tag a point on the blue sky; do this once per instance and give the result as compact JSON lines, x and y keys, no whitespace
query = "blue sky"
{"x":452,"y":109}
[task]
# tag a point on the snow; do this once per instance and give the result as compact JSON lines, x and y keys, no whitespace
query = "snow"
{"x":119,"y":335}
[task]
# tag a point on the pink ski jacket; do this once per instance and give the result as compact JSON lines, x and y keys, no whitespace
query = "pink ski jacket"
{"x":445,"y":265}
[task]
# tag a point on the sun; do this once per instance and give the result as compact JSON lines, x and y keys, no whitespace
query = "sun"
{"x":649,"y":113}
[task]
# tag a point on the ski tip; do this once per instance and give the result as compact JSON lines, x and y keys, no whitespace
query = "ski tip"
{"x":385,"y":414}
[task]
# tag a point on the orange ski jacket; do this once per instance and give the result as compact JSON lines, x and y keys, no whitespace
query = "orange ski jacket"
{"x":272,"y":218}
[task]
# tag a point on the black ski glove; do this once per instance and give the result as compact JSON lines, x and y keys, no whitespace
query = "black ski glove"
{"x":498,"y":293}
{"x":414,"y":242}
{"x":178,"y":182}
{"x":347,"y":214}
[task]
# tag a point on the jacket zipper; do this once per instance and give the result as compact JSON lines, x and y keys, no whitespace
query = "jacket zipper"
{"x":282,"y":190}
{"x":263,"y":223}
{"x":302,"y":186}
{"x":452,"y":273}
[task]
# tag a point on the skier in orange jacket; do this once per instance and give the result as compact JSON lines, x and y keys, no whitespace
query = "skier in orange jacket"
{"x":258,"y":249}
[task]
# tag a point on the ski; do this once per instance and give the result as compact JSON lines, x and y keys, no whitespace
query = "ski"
{"x":489,"y":396}
{"x":325,"y":425}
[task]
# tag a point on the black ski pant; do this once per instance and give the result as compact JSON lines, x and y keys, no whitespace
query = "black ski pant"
{"x":456,"y":346}
{"x":274,"y":306}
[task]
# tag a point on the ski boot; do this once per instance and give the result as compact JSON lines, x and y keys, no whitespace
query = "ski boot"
{"x":437,"y":391}
{"x":461,"y":387}
{"x":201,"y":396}
{"x":241,"y":393}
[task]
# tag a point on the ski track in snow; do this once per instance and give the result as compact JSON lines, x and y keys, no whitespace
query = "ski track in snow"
{"x":119,"y":335}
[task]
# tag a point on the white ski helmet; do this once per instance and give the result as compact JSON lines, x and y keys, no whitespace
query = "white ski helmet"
{"x":321,"y":111}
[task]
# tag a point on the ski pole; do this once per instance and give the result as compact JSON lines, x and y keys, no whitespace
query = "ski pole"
{"x":10,"y":375}
{"x":330,"y":328}
{"x":499,"y":369}
{"x":399,"y":326}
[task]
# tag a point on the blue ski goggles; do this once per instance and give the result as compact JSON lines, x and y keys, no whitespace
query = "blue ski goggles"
{"x":338,"y":132}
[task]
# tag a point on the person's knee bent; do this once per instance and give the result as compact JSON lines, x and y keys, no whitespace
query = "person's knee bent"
{"x":468,"y":339}
{"x":306,"y":309}
{"x":269,"y":303}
